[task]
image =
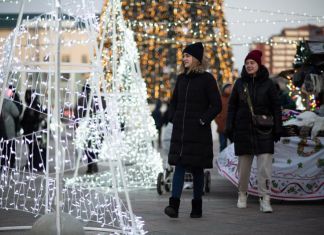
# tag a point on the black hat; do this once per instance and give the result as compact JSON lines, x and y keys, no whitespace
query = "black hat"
{"x":196,"y":50}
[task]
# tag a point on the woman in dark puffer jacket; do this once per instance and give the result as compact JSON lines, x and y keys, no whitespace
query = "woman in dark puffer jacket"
{"x":250,"y":141}
{"x":194,"y":104}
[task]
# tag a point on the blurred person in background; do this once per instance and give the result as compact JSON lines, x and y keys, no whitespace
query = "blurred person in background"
{"x":222,"y":116}
{"x":9,"y":115}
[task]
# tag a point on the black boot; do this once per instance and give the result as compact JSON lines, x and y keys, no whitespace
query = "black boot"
{"x":90,"y":168}
{"x":196,"y":211}
{"x":95,"y":168}
{"x":172,"y":210}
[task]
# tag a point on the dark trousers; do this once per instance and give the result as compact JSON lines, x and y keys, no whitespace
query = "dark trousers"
{"x":90,"y":155}
{"x":8,"y":157}
{"x":89,"y":152}
{"x":178,"y":181}
{"x":35,"y":156}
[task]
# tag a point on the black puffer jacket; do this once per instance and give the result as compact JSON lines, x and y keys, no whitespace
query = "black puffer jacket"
{"x":196,"y":96}
{"x":265,"y":100}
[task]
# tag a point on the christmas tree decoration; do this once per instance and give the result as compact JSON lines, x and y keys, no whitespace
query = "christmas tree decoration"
{"x":37,"y":182}
{"x":161,"y":39}
{"x":141,"y":161}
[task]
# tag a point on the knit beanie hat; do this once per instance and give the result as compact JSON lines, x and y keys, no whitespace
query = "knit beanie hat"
{"x":254,"y":55}
{"x":196,"y":50}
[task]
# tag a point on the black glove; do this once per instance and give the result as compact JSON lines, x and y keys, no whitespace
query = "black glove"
{"x":277,"y":137}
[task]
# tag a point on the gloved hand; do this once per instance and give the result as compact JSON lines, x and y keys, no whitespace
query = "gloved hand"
{"x":276,"y":137}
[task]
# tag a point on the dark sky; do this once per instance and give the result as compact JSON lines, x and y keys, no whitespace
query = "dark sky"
{"x":240,"y":32}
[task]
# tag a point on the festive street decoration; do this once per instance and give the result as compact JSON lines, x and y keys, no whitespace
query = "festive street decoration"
{"x":33,"y":64}
{"x":142,"y":162}
{"x":160,"y":52}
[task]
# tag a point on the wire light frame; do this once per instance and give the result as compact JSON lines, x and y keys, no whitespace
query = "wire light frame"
{"x":29,"y":184}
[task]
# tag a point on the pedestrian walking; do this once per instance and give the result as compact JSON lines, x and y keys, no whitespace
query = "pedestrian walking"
{"x":9,"y":114}
{"x":157,"y":116}
{"x":30,"y":123}
{"x":17,"y":101}
{"x":254,"y":124}
{"x":81,"y":112}
{"x":222,"y":116}
{"x":194,"y":104}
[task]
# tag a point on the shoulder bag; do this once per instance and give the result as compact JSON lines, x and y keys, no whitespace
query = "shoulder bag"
{"x":262,"y":123}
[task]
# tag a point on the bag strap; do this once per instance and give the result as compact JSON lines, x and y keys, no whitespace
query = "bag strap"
{"x":252,"y":112}
{"x":246,"y":90}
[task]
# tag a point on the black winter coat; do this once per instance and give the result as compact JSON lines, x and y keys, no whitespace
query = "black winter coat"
{"x":31,"y":118}
{"x":196,"y":96}
{"x":265,"y":100}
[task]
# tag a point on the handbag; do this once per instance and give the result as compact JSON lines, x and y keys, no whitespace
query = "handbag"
{"x":259,"y":121}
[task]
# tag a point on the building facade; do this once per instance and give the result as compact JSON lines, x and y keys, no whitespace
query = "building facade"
{"x":36,"y":50}
{"x":279,"y":52}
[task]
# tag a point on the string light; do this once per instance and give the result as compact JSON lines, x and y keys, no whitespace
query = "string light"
{"x":170,"y":24}
{"x":160,"y":62}
{"x":134,"y":115}
{"x":24,"y":188}
{"x":213,"y":5}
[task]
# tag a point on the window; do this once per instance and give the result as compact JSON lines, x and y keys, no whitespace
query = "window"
{"x":66,"y":58}
{"x":65,"y":75}
{"x":84,"y":59}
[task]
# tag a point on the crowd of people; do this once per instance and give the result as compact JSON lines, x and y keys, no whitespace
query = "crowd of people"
{"x":14,"y":122}
{"x":28,"y":123}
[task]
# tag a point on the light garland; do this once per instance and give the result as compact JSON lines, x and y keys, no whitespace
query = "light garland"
{"x":164,"y":40}
{"x":213,"y":5}
{"x":11,"y":1}
{"x":134,"y":115}
{"x":161,"y":61}
{"x":26,"y":189}
{"x":180,"y":23}
{"x":171,"y":24}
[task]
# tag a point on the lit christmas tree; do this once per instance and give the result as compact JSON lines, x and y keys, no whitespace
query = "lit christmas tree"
{"x":142,"y":162}
{"x":163,"y":28}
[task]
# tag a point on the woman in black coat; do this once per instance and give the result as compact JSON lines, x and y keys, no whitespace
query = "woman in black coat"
{"x":194,"y":104}
{"x":250,"y":141}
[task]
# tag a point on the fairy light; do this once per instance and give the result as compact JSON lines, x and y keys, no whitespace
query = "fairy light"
{"x":24,"y":188}
{"x":142,"y":161}
{"x":162,"y":25}
{"x":171,"y":24}
{"x":210,"y":4}
{"x":312,"y":102}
